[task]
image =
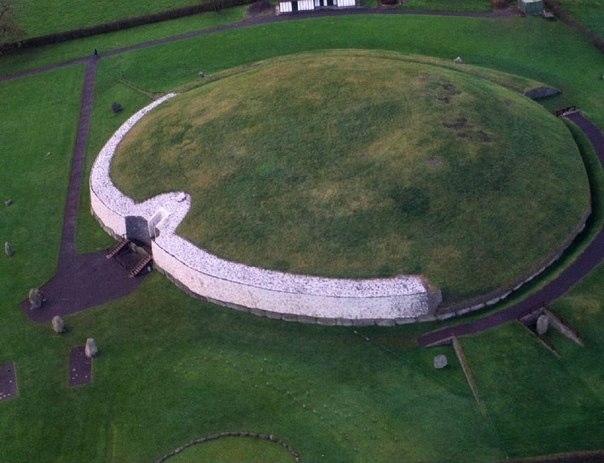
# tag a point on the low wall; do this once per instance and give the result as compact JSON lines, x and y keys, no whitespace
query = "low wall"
{"x":266,"y":292}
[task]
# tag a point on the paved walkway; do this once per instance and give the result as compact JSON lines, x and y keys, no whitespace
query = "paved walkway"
{"x":83,"y":281}
{"x":588,"y":260}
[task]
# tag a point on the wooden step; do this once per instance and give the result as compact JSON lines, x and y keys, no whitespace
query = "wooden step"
{"x":140,"y":266}
{"x":112,"y":252}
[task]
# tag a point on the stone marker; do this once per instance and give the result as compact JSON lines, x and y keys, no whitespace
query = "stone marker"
{"x":91,"y":349}
{"x":542,"y":324}
{"x":35,"y":298}
{"x":8,"y":202}
{"x":458,"y":60}
{"x":8,"y":250}
{"x":58,"y":325}
{"x":440,"y":361}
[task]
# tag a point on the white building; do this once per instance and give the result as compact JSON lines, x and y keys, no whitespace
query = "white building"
{"x":293,"y":6}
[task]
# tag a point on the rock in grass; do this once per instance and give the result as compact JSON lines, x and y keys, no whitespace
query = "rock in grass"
{"x":35,"y":298}
{"x":8,"y":202}
{"x":542,"y":324}
{"x":539,"y":93}
{"x":440,"y":361}
{"x":8,"y":250}
{"x":58,"y":325}
{"x":91,"y":350}
{"x":117,"y":107}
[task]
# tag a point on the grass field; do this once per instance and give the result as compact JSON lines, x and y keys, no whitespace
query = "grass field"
{"x":59,"y":16}
{"x":589,"y":12}
{"x":365,"y":165}
{"x":173,"y":368}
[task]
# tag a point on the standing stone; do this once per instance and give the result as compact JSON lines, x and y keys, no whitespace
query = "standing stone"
{"x":8,"y":202}
{"x":8,"y":249}
{"x":91,"y":349}
{"x":542,"y":324}
{"x":458,"y":60}
{"x":58,"y":325}
{"x":440,"y":361}
{"x":35,"y":298}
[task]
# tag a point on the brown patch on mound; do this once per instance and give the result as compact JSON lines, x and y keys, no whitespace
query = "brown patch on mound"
{"x":574,"y":457}
{"x":80,"y":367}
{"x":8,"y":381}
{"x":458,"y":123}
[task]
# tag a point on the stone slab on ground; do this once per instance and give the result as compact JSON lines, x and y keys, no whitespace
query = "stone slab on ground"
{"x":8,"y":381}
{"x":80,"y":367}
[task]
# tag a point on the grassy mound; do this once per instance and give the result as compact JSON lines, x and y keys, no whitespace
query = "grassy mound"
{"x":235,"y":450}
{"x":353,"y":165}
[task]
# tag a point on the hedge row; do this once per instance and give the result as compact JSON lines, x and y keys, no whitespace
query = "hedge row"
{"x":206,"y":6}
{"x":567,"y":18}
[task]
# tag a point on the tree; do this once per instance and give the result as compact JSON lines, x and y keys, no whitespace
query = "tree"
{"x":10,"y":30}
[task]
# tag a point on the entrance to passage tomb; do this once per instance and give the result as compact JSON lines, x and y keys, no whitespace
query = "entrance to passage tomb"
{"x":137,"y":228}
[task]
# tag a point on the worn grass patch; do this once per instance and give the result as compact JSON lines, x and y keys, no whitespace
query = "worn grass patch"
{"x":353,"y":165}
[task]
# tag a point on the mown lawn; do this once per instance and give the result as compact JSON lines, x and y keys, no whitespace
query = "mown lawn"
{"x":59,"y":16}
{"x":173,"y":368}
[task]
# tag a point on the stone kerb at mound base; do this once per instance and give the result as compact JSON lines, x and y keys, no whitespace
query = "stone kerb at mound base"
{"x":266,"y":292}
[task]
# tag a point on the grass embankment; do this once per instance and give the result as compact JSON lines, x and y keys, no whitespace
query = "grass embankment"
{"x":589,"y":12}
{"x":173,"y":368}
{"x":59,"y":16}
{"x":236,"y":450}
{"x":361,"y":165}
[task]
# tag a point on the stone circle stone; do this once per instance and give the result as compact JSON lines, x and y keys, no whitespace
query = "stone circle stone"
{"x":91,"y":349}
{"x":440,"y":361}
{"x":542,"y":324}
{"x":8,"y":250}
{"x":35,"y":298}
{"x":58,"y":325}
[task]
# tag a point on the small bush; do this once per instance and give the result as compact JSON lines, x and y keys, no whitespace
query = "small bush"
{"x":117,"y":107}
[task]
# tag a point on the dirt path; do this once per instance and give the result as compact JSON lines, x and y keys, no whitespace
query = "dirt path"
{"x":587,"y":261}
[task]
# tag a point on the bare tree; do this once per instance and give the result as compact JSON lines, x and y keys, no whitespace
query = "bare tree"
{"x":10,"y":30}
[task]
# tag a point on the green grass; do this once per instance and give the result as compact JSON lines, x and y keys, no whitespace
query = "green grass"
{"x":448,"y":5}
{"x":236,"y":450}
{"x":39,"y":117}
{"x":173,"y":368}
{"x":589,"y":12}
{"x":513,"y":370}
{"x":42,"y":56}
{"x":355,"y":175}
{"x":59,"y":16}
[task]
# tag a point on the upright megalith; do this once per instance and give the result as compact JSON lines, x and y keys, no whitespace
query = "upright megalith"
{"x":542,"y":324}
{"x":58,"y":325}
{"x":8,"y":249}
{"x":35,"y":298}
{"x":91,"y":350}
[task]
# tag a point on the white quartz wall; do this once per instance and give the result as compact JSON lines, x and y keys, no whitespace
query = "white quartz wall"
{"x":231,"y":283}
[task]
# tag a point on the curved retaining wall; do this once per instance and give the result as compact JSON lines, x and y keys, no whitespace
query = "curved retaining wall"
{"x":266,"y":292}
